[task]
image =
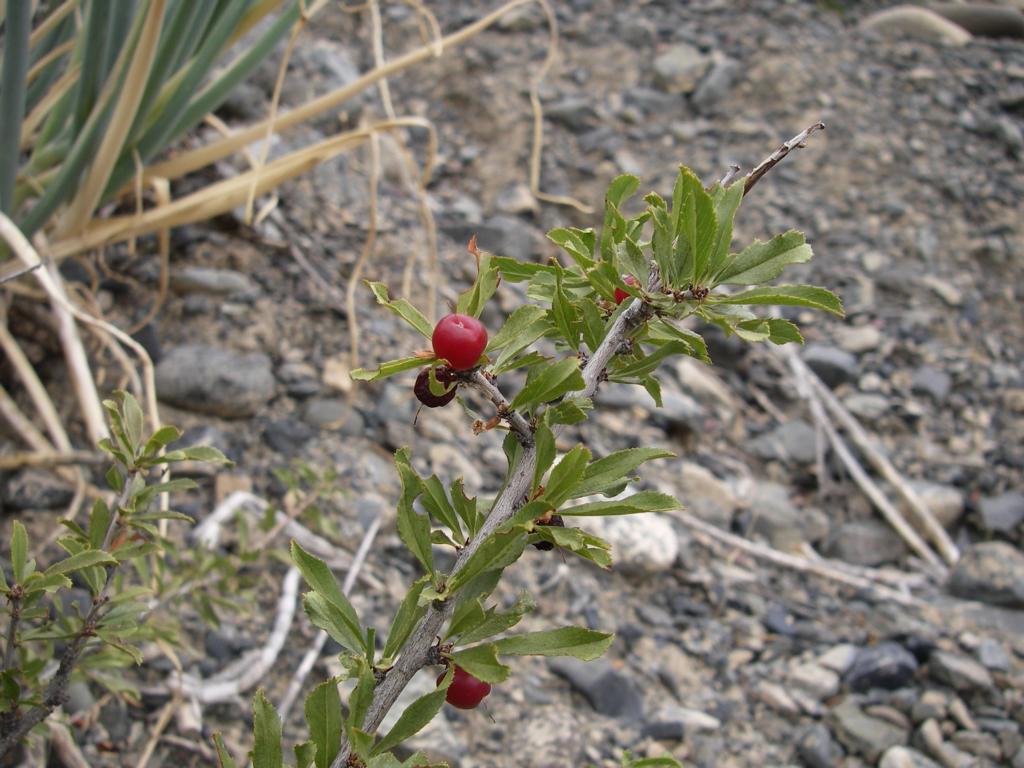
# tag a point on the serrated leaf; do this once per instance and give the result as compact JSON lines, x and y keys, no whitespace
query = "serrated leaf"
{"x":621,"y":189}
{"x":134,"y":421}
{"x":614,"y":468}
{"x":593,"y":326}
{"x":580,"y":643}
{"x":84,"y":559}
{"x":323,"y":716}
{"x":38,"y":582}
{"x":205,"y":453}
{"x":389,"y":368}
{"x":413,"y":528}
{"x":466,"y":508}
{"x":482,"y":663}
{"x":783,"y":332}
{"x":572,"y":411}
{"x":553,"y":381}
{"x":565,"y":476}
{"x":266,"y":752}
{"x":162,"y":437}
{"x":402,"y":308}
{"x":224,"y":759}
{"x":473,"y":301}
{"x":408,"y":613}
{"x":578,"y":541}
{"x":320,"y":579}
{"x":644,"y":501}
{"x":334,"y":621}
{"x":760,"y":262}
{"x":788,"y":295}
{"x":515,"y":326}
{"x":498,"y":551}
{"x":637,"y":369}
{"x":577,"y":243}
{"x":19,"y":552}
{"x":544,"y":440}
{"x":662,"y":330}
{"x":305,"y":754}
{"x":563,"y":315}
{"x":725,"y":210}
{"x":752,"y":330}
{"x":436,"y":502}
{"x":412,"y":720}
{"x":492,"y":623}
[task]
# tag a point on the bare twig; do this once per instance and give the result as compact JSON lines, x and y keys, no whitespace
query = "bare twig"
{"x":730,"y":175}
{"x":706,"y":531}
{"x":19,"y":273}
{"x":518,"y":424}
{"x":777,"y":156}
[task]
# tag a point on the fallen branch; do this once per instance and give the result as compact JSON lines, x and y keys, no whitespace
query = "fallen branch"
{"x":779,"y":154}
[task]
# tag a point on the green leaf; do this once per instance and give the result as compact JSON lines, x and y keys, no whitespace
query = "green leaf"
{"x":435,"y":501}
{"x":621,"y":189}
{"x":323,"y":716}
{"x":361,"y":697}
{"x":653,"y":387}
{"x":564,"y":315}
{"x":760,"y":262}
{"x":696,"y":227}
{"x":788,"y":295}
{"x":224,"y":759}
{"x":553,"y":381}
{"x":492,"y":622}
{"x":482,"y":663}
{"x":518,"y":323}
{"x":159,"y":439}
{"x":266,"y":751}
{"x":466,"y":508}
{"x":648,"y":364}
{"x":497,"y":552}
{"x":613,"y":469}
{"x":38,"y":582}
{"x":783,"y":332}
{"x":412,"y":720}
{"x":473,"y":301}
{"x":725,"y":210}
{"x":580,"y":643}
{"x":578,"y":243}
{"x":84,"y":559}
{"x":390,"y":368}
{"x":578,"y":541}
{"x":566,"y":476}
{"x":134,"y":421}
{"x":544,"y":439}
{"x":305,"y":754}
{"x":334,"y":621}
{"x":403,"y":309}
{"x":408,"y":613}
{"x":593,"y":324}
{"x":644,"y":501}
{"x":321,"y":580}
{"x":20,"y":564}
{"x":99,"y":522}
{"x":572,"y":411}
{"x":205,"y":453}
{"x":660,"y":329}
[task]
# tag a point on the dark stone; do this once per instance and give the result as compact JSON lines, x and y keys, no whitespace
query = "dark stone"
{"x":817,"y":748}
{"x":210,"y":380}
{"x":286,"y":435}
{"x":833,"y":365}
{"x":36,"y":489}
{"x":886,"y":665}
{"x":574,"y":112}
{"x":609,"y":691}
{"x":669,"y":730}
{"x":1002,"y":513}
{"x":992,"y":572}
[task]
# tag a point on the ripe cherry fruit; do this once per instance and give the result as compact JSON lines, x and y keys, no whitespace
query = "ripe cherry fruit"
{"x":459,"y":339}
{"x":465,"y":692}
{"x":422,"y":387}
{"x":621,"y":295}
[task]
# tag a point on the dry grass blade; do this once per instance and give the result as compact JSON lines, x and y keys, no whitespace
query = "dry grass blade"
{"x":50,"y":22}
{"x":40,"y":111}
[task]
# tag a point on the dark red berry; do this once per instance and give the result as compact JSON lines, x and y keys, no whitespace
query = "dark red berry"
{"x":620,"y":294}
{"x":465,"y":692}
{"x":556,"y":521}
{"x":459,"y":339}
{"x":422,"y":387}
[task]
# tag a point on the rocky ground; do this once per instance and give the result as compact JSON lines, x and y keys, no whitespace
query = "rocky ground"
{"x":911,"y":200}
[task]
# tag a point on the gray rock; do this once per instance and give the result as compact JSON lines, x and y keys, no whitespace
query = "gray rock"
{"x":833,"y":365}
{"x":574,"y":112}
{"x":865,"y":542}
{"x":992,"y":572}
{"x":862,"y":734}
{"x":904,"y":757}
{"x":114,"y":717}
{"x":931,"y":382}
{"x":791,"y":442}
{"x":219,"y":282}
{"x":1002,"y":513}
{"x":35,"y":489}
{"x":641,"y":544}
{"x":680,"y":68}
{"x":886,"y":665}
{"x":866,"y":405}
{"x":678,"y":723}
{"x":984,"y":19}
{"x":1008,"y":132}
{"x":820,"y":682}
{"x":932,"y":705}
{"x":609,"y":691}
{"x":502,"y":234}
{"x":287,"y":436}
{"x":946,"y":502}
{"x":859,"y":338}
{"x":919,"y":23}
{"x":959,"y":672}
{"x":215,"y":381}
{"x":817,"y":749}
{"x":716,"y":83}
{"x":80,"y":698}
{"x":779,"y":520}
{"x":993,"y":655}
{"x":331,"y":413}
{"x":705,"y":495}
{"x":977,"y":743}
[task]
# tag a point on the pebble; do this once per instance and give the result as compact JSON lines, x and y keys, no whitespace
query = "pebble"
{"x":931,"y":382}
{"x":984,"y":19}
{"x":862,"y":734}
{"x":859,"y":339}
{"x":776,"y":697}
{"x":680,"y":68}
{"x":992,"y":572}
{"x":215,"y":381}
{"x":833,"y":365}
{"x":959,"y":672}
{"x":916,"y":22}
{"x":779,"y":520}
{"x":946,"y":502}
{"x":886,"y":665}
{"x":1002,"y":513}
{"x":610,"y":691}
{"x":705,"y":495}
{"x":932,"y":704}
{"x":904,"y":757}
{"x":817,"y":748}
{"x":839,"y":658}
{"x":641,"y":544}
{"x":218,"y":282}
{"x":715,"y":85}
{"x":867,"y":406}
{"x":865,"y":542}
{"x":792,"y":442}
{"x":35,"y":489}
{"x":820,"y":682}
{"x":993,"y":655}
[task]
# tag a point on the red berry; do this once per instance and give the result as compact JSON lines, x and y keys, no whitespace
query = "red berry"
{"x":422,"y":387}
{"x":621,"y":295}
{"x":459,"y":339}
{"x":465,"y":692}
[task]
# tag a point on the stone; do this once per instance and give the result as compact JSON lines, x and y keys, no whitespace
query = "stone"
{"x":977,"y":743}
{"x":859,"y":338}
{"x":328,"y":413}
{"x":79,"y":697}
{"x":833,"y":365}
{"x":780,"y":521}
{"x":820,"y":682}
{"x":931,"y":382}
{"x":945,"y":502}
{"x":865,"y":542}
{"x":704,"y":494}
{"x":678,"y":723}
{"x":959,"y":672}
{"x":215,"y":381}
{"x":716,"y":83}
{"x":984,"y":19}
{"x":1002,"y":513}
{"x":792,"y":442}
{"x":218,"y":282}
{"x":286,"y":435}
{"x":993,"y":655}
{"x":867,"y":406}
{"x":641,"y":544}
{"x":554,"y":735}
{"x":862,"y":734}
{"x":839,"y":658}
{"x":516,"y":199}
{"x":817,"y":748}
{"x":776,"y":697}
{"x":886,"y":665}
{"x":992,"y":572}
{"x":35,"y":489}
{"x":919,"y":23}
{"x":680,"y":68}
{"x":904,"y":757}
{"x":932,"y":705}
{"x":502,"y":234}
{"x":609,"y":691}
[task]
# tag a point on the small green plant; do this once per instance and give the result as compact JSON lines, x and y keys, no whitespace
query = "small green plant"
{"x":613,"y":314}
{"x":108,"y":556}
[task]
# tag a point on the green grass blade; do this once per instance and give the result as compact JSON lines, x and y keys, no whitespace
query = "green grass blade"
{"x":12,"y":98}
